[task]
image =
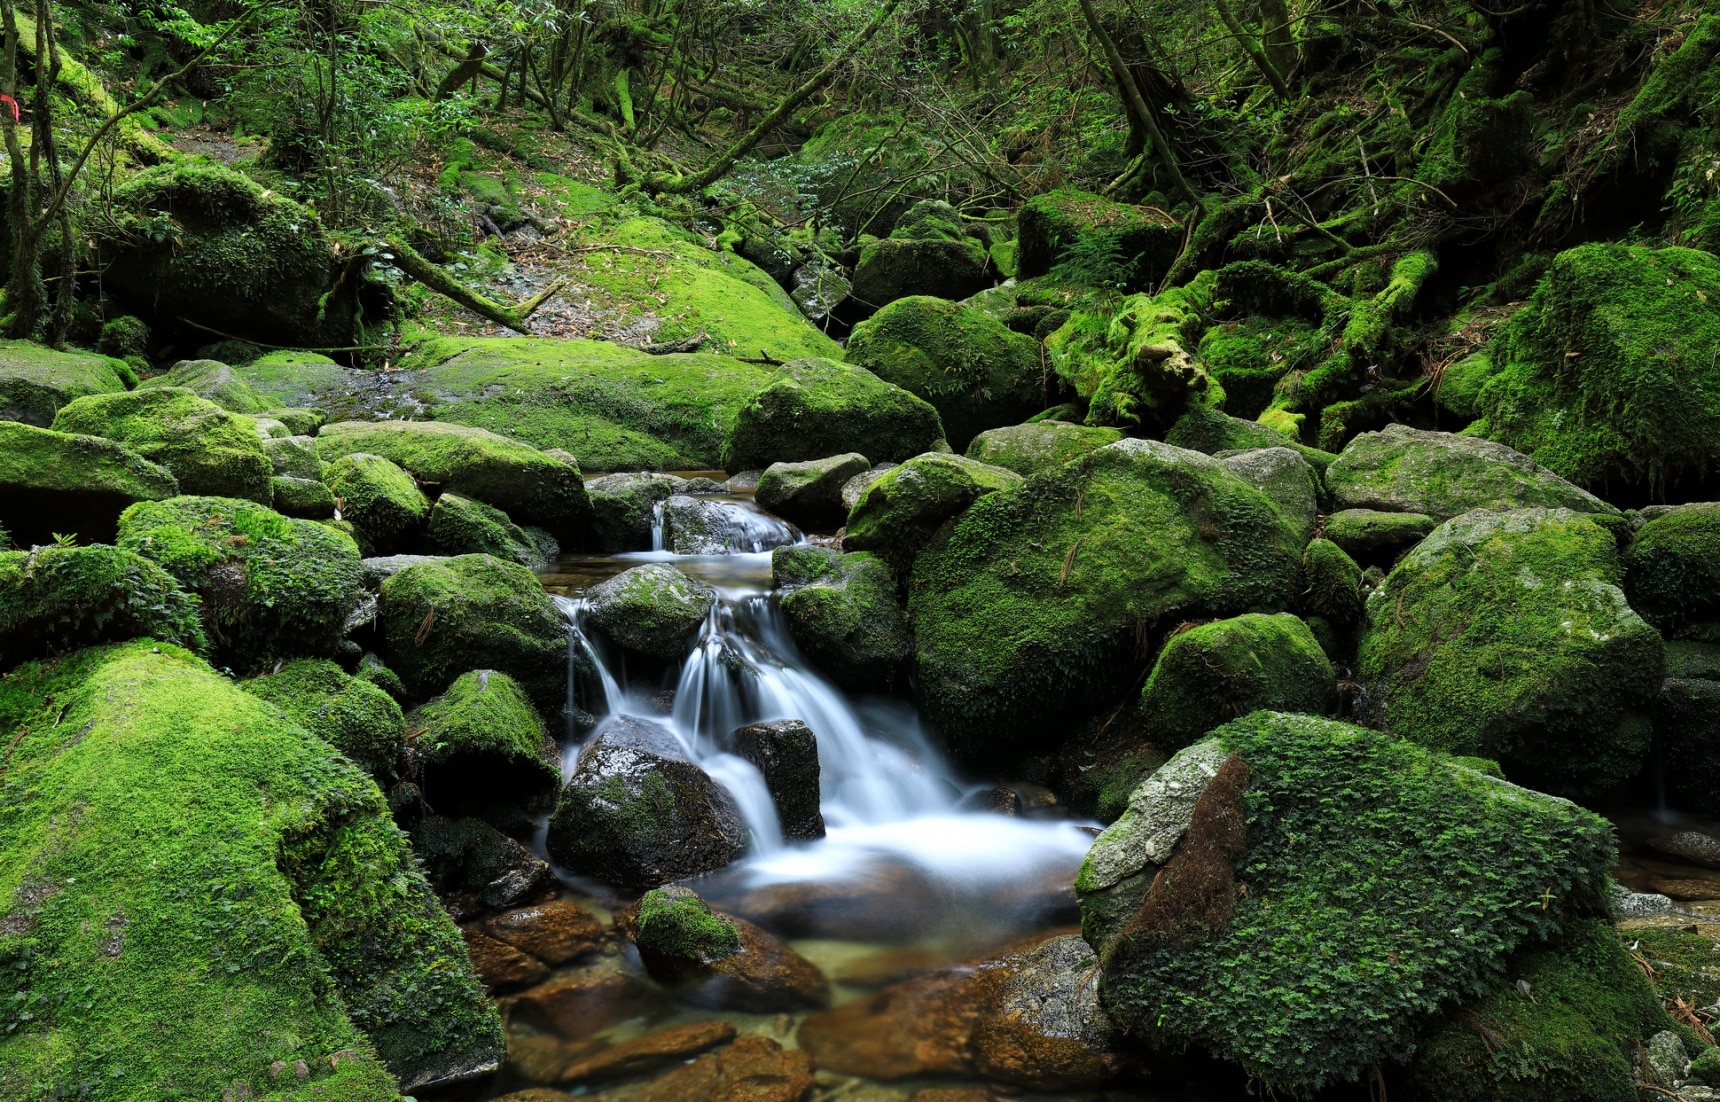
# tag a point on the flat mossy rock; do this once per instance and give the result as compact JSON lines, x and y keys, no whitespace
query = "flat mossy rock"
{"x":976,"y":373}
{"x":55,"y":599}
{"x":1059,"y":223}
{"x":272,"y":587}
{"x":209,"y":450}
{"x":531,"y":487}
{"x":1214,"y":673}
{"x":1505,"y":635}
{"x":243,"y":258}
{"x":809,"y":493}
{"x":1573,"y":1038}
{"x":1442,"y":474}
{"x":301,"y":497}
{"x":295,"y":457}
{"x":354,"y":716}
{"x":1373,"y":535}
{"x":212,"y":381}
{"x":1284,"y":477}
{"x":57,"y":482}
{"x":443,"y":617}
{"x":379,"y":499}
{"x":225,"y":892}
{"x":843,"y":613}
{"x":36,"y":381}
{"x":1609,"y":376}
{"x":1031,"y":448}
{"x":810,"y":409}
{"x":1672,"y":568}
{"x":625,"y":507}
{"x":653,"y":609}
{"x":1036,"y":602}
{"x":1203,"y":429}
{"x":1384,"y":882}
{"x":899,"y":512}
{"x":483,"y":741}
{"x":461,"y":526}
{"x":895,"y":268}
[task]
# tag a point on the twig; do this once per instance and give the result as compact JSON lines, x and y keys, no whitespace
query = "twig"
{"x":293,"y":347}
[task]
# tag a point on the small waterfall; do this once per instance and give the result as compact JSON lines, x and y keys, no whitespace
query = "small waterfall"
{"x":657,"y":527}
{"x":722,"y":526}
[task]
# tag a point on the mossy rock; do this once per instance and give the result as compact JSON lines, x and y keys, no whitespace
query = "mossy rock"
{"x":1334,"y":583}
{"x":213,"y":381}
{"x":35,"y":382}
{"x":1609,"y":376}
{"x":1203,"y":429}
{"x":1251,"y":354}
{"x":1376,"y":536}
{"x":1563,"y":1024}
{"x":248,"y":260}
{"x":895,"y":268}
{"x":352,"y":715}
{"x":1030,"y":448}
{"x":383,"y":503}
{"x":531,"y":487}
{"x":444,"y":617}
{"x":1037,"y":602}
{"x":899,"y":512}
{"x":1134,"y":364}
{"x":301,"y":497}
{"x":299,"y":422}
{"x":482,"y":741}
{"x":1384,"y":882}
{"x":1505,"y":635}
{"x":674,"y":922}
{"x":625,"y":507}
{"x":1066,"y":222}
{"x":844,"y":615}
{"x":374,"y":671}
{"x":976,"y":373}
{"x":1672,"y":568}
{"x":209,"y":450}
{"x":810,"y":409}
{"x":1441,"y":474}
{"x":272,"y":587}
{"x":461,"y":526}
{"x":295,"y":457}
{"x":57,"y":482}
{"x":1687,"y":725}
{"x":1214,"y":673}
{"x":653,"y":609}
{"x":810,"y":493}
{"x":55,"y":599}
{"x":237,"y":882}
{"x":1287,"y":479}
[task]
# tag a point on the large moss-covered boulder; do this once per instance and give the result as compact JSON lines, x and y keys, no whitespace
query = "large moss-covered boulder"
{"x":56,"y":482}
{"x":1034,"y":606}
{"x":209,"y":450}
{"x":381,"y":501}
{"x":653,"y":609}
{"x":1384,"y":882}
{"x":1610,"y":375}
{"x":1068,"y":224}
{"x":294,"y":457}
{"x":461,"y":526}
{"x":810,"y":493}
{"x":638,"y":813}
{"x":898,"y":513}
{"x":1376,"y":536}
{"x":483,"y":741}
{"x":1286,"y":478}
{"x":354,"y":716}
{"x":1031,"y":448}
{"x":1442,"y":474}
{"x":54,"y":599}
{"x":528,"y":485}
{"x":241,"y":258}
{"x":226,"y":895}
{"x":843,"y":613}
{"x":215,"y":382}
{"x":1672,"y":569}
{"x":1505,"y":635}
{"x":1334,"y":584}
{"x":272,"y":587}
{"x":35,"y":381}
{"x":626,"y":507}
{"x":302,"y":497}
{"x":1214,"y":673}
{"x":978,"y":374}
{"x":811,"y":409}
{"x":443,"y":617}
{"x":929,"y":252}
{"x":1204,"y":429}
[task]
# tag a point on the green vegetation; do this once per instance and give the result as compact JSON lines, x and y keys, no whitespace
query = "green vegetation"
{"x":1672,"y":568}
{"x":1097,"y":240}
{"x":810,"y":409}
{"x":383,"y":503}
{"x":55,"y":599}
{"x":674,"y":922}
{"x":1217,"y":672}
{"x":929,"y":252}
{"x":209,"y":450}
{"x":843,"y":613}
{"x":351,"y":714}
{"x":1334,"y":583}
{"x":35,"y":381}
{"x":460,"y":526}
{"x":73,"y":484}
{"x":306,"y":498}
{"x":212,"y":381}
{"x":1136,"y":366}
{"x":483,"y":738}
{"x":897,"y":514}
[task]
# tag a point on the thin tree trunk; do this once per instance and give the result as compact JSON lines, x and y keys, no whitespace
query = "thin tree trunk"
{"x":1137,"y":103}
{"x":1251,"y":47}
{"x":1277,"y":36}
{"x":24,"y":290}
{"x":413,"y":263}
{"x":463,"y":72}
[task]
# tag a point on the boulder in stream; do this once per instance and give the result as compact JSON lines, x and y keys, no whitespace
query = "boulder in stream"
{"x":809,"y":493}
{"x":702,"y":526}
{"x":1672,"y":571}
{"x":209,"y":450}
{"x":785,"y":752}
{"x":482,"y":741}
{"x":930,"y":252}
{"x":623,"y":507}
{"x":844,"y":615}
{"x":810,"y":409}
{"x":652,"y":609}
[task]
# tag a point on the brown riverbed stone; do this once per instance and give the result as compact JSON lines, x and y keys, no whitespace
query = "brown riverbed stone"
{"x":555,"y":932}
{"x":953,"y":1094}
{"x":1686,"y":889}
{"x":502,"y":967}
{"x":648,"y":1053}
{"x":1041,"y":1025}
{"x":541,"y":1057}
{"x":580,"y":1003}
{"x":535,"y":1094}
{"x":765,"y":977}
{"x":920,"y":1027}
{"x":753,"y":1069}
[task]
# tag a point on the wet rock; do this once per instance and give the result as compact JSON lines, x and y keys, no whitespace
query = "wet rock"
{"x":482,"y":741}
{"x":502,"y":967}
{"x":997,"y":800}
{"x":1627,"y":905}
{"x":622,"y":507}
{"x":1031,"y":448}
{"x":953,"y":1094}
{"x":535,"y":1094}
{"x":1687,"y":725}
{"x":949,"y":267}
{"x":1671,"y":572}
{"x":786,"y":753}
{"x":638,"y":813}
{"x":1690,"y":845}
{"x":753,"y":1069}
{"x":556,"y":932}
{"x":813,"y":408}
{"x":698,"y":526}
{"x":719,"y":961}
{"x":881,"y":902}
{"x":380,"y":568}
{"x":1042,"y":1026}
{"x":1687,"y":889}
{"x":1371,"y":536}
{"x":898,"y":513}
{"x":578,"y":1004}
{"x":209,"y":450}
{"x":809,"y":493}
{"x":648,"y":1053}
{"x":844,"y":614}
{"x":1284,"y":477}
{"x":470,"y":855}
{"x":540,"y":1057}
{"x":854,"y":487}
{"x":461,"y":526}
{"x":818,"y":289}
{"x":653,"y":609}
{"x":920,"y":1027}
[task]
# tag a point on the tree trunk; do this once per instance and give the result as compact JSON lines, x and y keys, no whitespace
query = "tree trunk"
{"x":1136,"y":103}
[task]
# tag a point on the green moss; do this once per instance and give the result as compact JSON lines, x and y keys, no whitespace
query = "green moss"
{"x":898,"y":267}
{"x":843,"y":613}
{"x":517,"y":478}
{"x":1370,"y":535}
{"x":1137,"y":366}
{"x":212,"y":381}
{"x":209,"y":450}
{"x":899,"y":512}
{"x":461,"y":526}
{"x":35,"y":381}
{"x":271,"y":587}
{"x":440,"y":619}
{"x":1030,"y":448}
{"x":1563,"y":1023}
{"x":483,"y":738}
{"x":1249,"y":355}
{"x":1203,"y":429}
{"x":1384,"y":882}
{"x":652,"y":609}
{"x":123,"y":337}
{"x":1505,"y":635}
{"x":301,"y":497}
{"x":810,"y":409}
{"x":1609,"y":376}
{"x":59,"y":482}
{"x":674,"y":922}
{"x":1039,"y":600}
{"x":352,"y":715}
{"x":299,"y":422}
{"x":54,"y":599}
{"x":196,"y":888}
{"x":622,"y":506}
{"x":1672,"y":569}
{"x":1686,"y":961}
{"x":1066,"y":223}
{"x":374,"y":671}
{"x":1334,"y":583}
{"x":1217,"y":672}
{"x":384,"y":504}
{"x":976,"y":373}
